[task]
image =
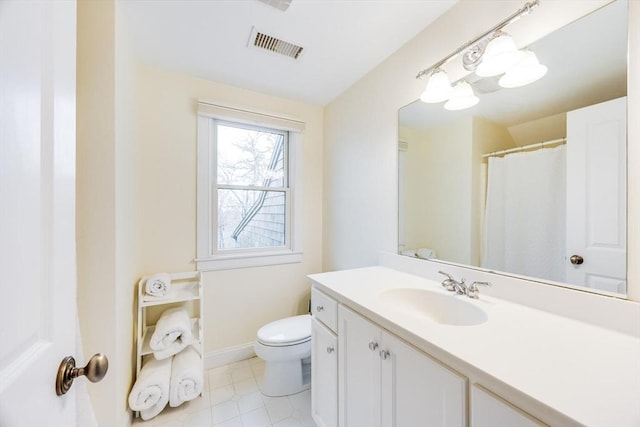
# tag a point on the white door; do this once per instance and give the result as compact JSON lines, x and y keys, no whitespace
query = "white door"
{"x":37,"y":209}
{"x":597,"y":196}
{"x":417,"y":390}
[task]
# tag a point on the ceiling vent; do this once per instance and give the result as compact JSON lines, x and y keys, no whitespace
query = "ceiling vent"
{"x":278,"y":4}
{"x":274,"y":44}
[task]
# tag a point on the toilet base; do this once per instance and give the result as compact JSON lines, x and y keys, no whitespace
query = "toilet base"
{"x":285,"y":378}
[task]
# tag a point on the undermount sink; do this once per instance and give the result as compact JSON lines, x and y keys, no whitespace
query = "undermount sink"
{"x":448,"y":309}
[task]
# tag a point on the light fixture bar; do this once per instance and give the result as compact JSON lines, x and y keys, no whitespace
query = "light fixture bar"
{"x":525,"y":10}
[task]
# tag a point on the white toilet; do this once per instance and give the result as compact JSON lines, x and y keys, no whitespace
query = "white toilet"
{"x":285,"y":346}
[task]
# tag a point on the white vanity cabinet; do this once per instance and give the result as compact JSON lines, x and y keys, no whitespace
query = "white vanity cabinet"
{"x":324,"y":360}
{"x":489,"y":410}
{"x":385,"y":382}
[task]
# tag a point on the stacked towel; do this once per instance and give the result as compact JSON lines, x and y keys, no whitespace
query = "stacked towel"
{"x":186,"y":377}
{"x":157,"y":286}
{"x":172,"y":333}
{"x":150,"y":393}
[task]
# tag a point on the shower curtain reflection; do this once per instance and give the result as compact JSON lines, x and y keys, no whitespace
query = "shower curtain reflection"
{"x":524,"y":224}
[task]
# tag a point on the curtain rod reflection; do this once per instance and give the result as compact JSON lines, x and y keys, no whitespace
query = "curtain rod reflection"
{"x":526,"y":147}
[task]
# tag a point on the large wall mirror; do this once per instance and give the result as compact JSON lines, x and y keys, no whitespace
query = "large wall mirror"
{"x":531,"y":181}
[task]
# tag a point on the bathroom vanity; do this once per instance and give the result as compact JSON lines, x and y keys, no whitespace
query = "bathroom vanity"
{"x":393,"y":348}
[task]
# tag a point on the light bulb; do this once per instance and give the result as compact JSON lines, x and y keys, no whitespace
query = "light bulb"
{"x":500,"y":55}
{"x":438,"y":88}
{"x":528,"y":70}
{"x":461,"y":97}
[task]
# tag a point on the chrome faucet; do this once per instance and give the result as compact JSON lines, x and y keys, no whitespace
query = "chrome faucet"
{"x":461,"y":288}
{"x":452,"y":285}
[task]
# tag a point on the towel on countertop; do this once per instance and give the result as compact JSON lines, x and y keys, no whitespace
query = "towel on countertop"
{"x":157,"y":286}
{"x":150,"y":393}
{"x":187,"y":378}
{"x":172,"y":333}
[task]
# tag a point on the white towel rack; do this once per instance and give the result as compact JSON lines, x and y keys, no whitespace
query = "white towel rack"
{"x":186,"y":291}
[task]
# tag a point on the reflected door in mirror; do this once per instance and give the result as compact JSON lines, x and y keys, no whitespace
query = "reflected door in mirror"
{"x":596,"y":196}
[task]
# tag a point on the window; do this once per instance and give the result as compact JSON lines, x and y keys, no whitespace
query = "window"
{"x":246,"y":168}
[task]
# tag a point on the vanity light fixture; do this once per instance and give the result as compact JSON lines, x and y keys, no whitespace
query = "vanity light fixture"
{"x":490,"y":54}
{"x":462,"y":97}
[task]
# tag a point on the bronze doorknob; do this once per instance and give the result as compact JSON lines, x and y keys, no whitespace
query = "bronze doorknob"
{"x":95,"y":370}
{"x":576,"y":259}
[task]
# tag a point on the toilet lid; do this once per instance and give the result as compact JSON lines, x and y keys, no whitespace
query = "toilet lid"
{"x":288,"y":331}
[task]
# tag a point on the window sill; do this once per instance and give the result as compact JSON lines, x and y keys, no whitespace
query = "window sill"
{"x":229,"y":262}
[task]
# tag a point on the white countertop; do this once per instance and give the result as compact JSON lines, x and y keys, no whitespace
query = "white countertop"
{"x":572,"y":372}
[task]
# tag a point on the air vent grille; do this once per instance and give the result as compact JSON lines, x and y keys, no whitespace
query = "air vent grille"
{"x":278,"y":4}
{"x":274,"y":44}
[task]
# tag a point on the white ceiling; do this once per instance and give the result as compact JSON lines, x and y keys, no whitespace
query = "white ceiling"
{"x":343,"y":40}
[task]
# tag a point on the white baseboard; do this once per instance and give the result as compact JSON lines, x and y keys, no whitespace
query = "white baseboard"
{"x":216,"y":358}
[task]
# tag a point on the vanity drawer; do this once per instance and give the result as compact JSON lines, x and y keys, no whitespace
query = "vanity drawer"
{"x":325,"y":309}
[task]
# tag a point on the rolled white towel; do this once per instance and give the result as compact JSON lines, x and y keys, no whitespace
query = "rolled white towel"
{"x":426,"y":253}
{"x":157,"y":286}
{"x":172,"y":333}
{"x":150,"y":393}
{"x":187,"y":378}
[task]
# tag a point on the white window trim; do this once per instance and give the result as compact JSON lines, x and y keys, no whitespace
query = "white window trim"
{"x":207,"y":256}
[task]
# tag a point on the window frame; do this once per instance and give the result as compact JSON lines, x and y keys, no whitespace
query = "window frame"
{"x":208,"y":256}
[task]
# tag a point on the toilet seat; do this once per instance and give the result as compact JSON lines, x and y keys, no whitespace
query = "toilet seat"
{"x":286,"y":332}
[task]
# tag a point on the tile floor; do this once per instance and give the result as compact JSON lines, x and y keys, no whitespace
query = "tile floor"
{"x":232,"y":399}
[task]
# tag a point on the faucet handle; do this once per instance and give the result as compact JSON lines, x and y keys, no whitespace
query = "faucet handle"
{"x":449,"y":282}
{"x":473,"y":291}
{"x":450,"y":277}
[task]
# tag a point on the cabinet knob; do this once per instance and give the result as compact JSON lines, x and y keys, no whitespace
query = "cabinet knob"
{"x":330,"y":350}
{"x":319,"y":308}
{"x":384,"y":354}
{"x":373,"y":345}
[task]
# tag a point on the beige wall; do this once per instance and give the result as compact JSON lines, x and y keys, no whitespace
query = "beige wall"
{"x":237,"y":302}
{"x":544,"y":129}
{"x":361,"y":129}
{"x":106,"y":208}
{"x":437,"y":184}
{"x":127,"y":211}
{"x":417,"y":188}
{"x":444,"y":186}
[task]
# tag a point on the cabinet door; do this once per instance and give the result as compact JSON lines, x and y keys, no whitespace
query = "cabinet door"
{"x":417,"y":390}
{"x":324,"y":375}
{"x":359,"y":370}
{"x":488,"y":410}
